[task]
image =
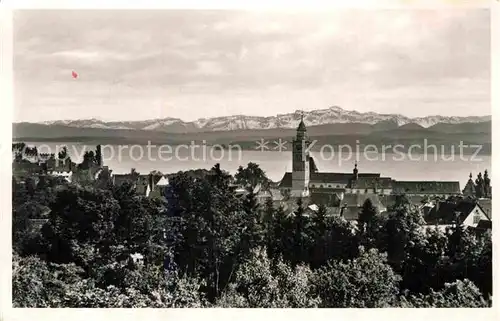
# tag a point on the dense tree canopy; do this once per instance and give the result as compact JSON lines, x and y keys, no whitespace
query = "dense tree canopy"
{"x":205,"y":245}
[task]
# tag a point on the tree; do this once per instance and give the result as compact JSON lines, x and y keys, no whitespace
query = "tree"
{"x":341,"y":241}
{"x":210,"y":222}
{"x":364,"y":282}
{"x":268,"y":214}
{"x":479,"y":186}
{"x":98,"y":156}
{"x":278,"y":236}
{"x":367,"y":216}
{"x":320,"y":229}
{"x":205,"y":246}
{"x":370,"y":225}
{"x":482,"y":274}
{"x":251,"y":175}
{"x":469,"y":257}
{"x":104,"y":180}
{"x":135,"y":221}
{"x":459,"y":294}
{"x":88,"y":160}
{"x":402,"y":230}
{"x":24,"y":236}
{"x":422,"y":269}
{"x":38,"y":284}
{"x":18,"y":148}
{"x":63,"y":154}
{"x":253,"y":229}
{"x":81,"y":223}
{"x":487,"y":185}
{"x":298,"y":253}
{"x":259,"y":284}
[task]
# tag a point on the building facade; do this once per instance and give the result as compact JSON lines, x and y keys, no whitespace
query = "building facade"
{"x":339,"y":189}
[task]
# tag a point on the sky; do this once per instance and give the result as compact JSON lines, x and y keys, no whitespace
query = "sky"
{"x":191,"y":64}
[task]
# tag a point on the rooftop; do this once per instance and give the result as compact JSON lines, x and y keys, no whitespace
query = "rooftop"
{"x":430,"y":187}
{"x":326,"y":177}
{"x":446,"y":212}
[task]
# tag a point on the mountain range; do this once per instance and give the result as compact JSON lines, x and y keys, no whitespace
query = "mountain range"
{"x":332,"y":115}
{"x":333,"y":125}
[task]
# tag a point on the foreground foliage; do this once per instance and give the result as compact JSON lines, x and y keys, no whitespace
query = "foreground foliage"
{"x":207,"y":246}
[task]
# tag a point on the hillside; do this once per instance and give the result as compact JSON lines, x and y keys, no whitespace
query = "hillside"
{"x":332,"y":115}
{"x":333,"y":134}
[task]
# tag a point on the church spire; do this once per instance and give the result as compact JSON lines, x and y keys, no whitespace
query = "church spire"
{"x":302,"y":126}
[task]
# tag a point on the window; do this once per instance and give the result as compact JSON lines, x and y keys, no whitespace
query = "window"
{"x":321,"y":186}
{"x":477,"y":217}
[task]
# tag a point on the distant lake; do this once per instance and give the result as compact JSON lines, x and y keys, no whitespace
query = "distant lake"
{"x":275,"y":163}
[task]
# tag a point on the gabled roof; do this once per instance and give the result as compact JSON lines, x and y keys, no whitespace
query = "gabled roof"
{"x":313,"y":207}
{"x":290,"y":205}
{"x":359,"y":199}
{"x":446,"y":212}
{"x":387,"y":200}
{"x":119,"y":179}
{"x":324,"y":198}
{"x":162,"y":182}
{"x":416,"y":199}
{"x":485,"y":204}
{"x":351,"y":213}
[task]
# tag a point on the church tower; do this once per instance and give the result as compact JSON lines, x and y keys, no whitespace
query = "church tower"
{"x":470,"y":188}
{"x":300,"y":162}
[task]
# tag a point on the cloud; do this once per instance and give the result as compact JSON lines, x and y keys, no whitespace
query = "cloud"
{"x":182,"y":58}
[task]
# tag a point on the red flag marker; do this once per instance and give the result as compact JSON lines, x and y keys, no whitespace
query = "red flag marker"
{"x":74,"y":74}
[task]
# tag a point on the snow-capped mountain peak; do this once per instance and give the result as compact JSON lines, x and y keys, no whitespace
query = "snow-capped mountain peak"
{"x":331,"y":115}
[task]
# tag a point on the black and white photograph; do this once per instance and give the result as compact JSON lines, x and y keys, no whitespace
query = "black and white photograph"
{"x":209,"y":158}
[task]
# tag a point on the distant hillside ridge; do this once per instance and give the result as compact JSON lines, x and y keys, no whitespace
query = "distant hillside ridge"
{"x":329,"y":116}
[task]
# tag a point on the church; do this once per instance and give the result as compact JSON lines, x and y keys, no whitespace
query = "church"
{"x":351,"y":189}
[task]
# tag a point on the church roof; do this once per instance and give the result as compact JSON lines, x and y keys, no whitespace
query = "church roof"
{"x":324,"y":177}
{"x":302,"y":126}
{"x":372,"y":182}
{"x":427,"y":187}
